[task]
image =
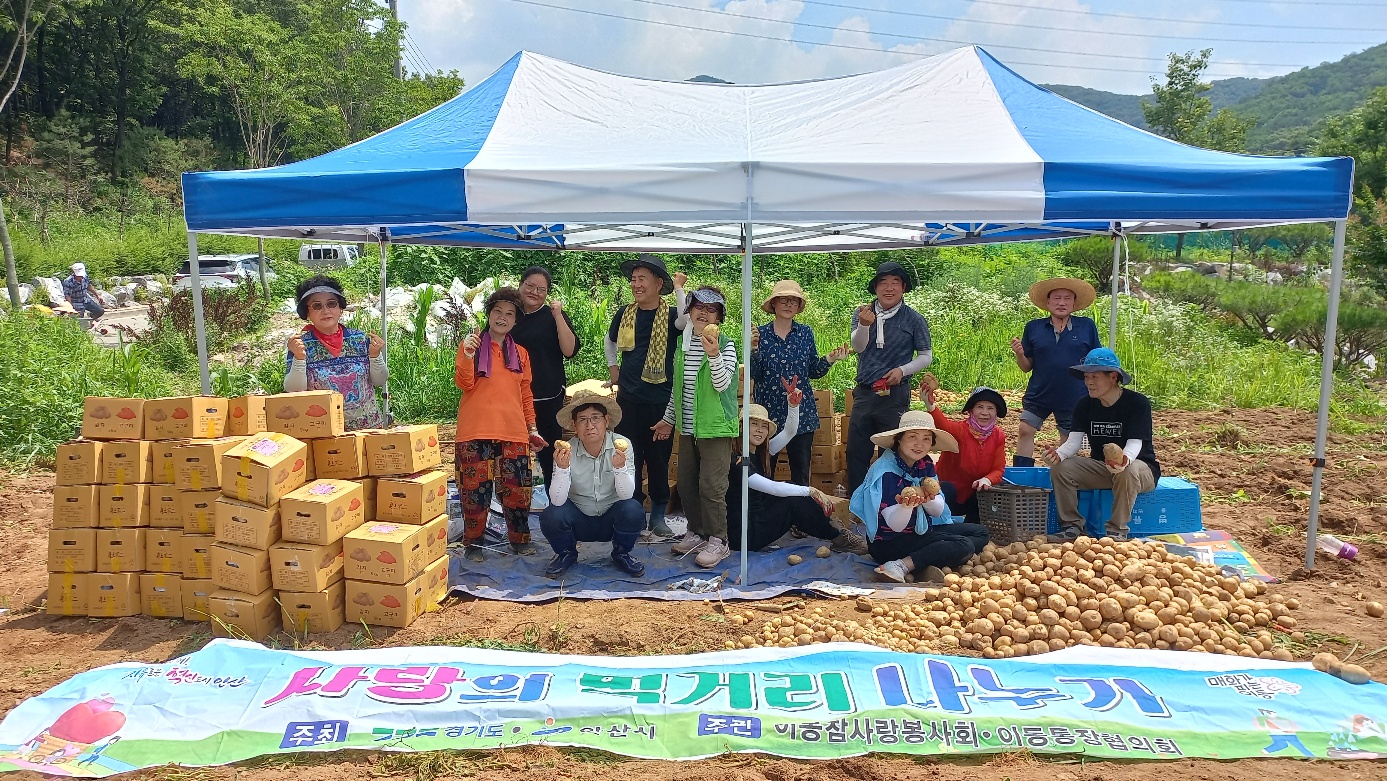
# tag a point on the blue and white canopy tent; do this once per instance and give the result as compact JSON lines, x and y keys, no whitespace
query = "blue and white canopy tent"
{"x":953,"y":149}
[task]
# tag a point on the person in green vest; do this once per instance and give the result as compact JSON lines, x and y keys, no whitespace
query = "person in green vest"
{"x":702,"y":411}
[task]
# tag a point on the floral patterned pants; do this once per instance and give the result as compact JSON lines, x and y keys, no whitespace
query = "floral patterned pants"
{"x":484,"y":465}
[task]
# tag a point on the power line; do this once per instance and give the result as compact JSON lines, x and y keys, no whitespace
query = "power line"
{"x":419,"y":50}
{"x":1160,"y":20}
{"x":873,"y":49}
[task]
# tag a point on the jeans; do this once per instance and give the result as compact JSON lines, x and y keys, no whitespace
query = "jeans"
{"x":799,"y":450}
{"x":91,"y":306}
{"x":871,"y":414}
{"x":650,"y":453}
{"x":564,"y":526}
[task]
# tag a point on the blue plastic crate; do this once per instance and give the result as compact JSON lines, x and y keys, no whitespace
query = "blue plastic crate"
{"x":1173,"y":508}
{"x":1038,"y":477}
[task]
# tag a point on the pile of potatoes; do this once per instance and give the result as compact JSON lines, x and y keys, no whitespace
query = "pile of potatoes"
{"x":1032,"y":597}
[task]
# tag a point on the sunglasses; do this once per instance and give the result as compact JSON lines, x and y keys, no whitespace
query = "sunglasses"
{"x":328,"y":305}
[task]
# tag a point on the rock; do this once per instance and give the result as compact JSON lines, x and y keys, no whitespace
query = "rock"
{"x":124,"y":293}
{"x":26,"y":292}
{"x":52,"y":288}
{"x":106,"y":300}
{"x":1274,"y":278}
{"x":1207,"y":269}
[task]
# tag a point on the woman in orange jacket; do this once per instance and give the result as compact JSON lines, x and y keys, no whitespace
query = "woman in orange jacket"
{"x":982,"y":447}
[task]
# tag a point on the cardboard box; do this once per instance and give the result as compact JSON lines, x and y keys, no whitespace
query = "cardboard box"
{"x":79,"y":463}
{"x":298,"y":566}
{"x":121,"y":550}
{"x":198,"y":463}
{"x":782,"y":470}
{"x":384,"y":552}
{"x":246,"y":570}
{"x":314,"y":612}
{"x":829,"y":432}
{"x":165,"y":507}
{"x":196,"y":559}
{"x":127,"y":461}
{"x":243,"y":616}
{"x":403,"y":450}
{"x":163,"y":552}
{"x":840,"y":512}
{"x":195,"y":596}
{"x":164,"y":471}
{"x":247,"y":525}
{"x":322,"y":512}
{"x":161,"y":596}
{"x":847,"y":404}
{"x":245,"y":415}
{"x":368,"y":495}
{"x":340,"y":458}
{"x":76,"y":506}
{"x":185,"y":417}
{"x":310,"y":470}
{"x":436,"y":537}
{"x":823,"y":399}
{"x":113,"y":596}
{"x":67,"y":594}
{"x":396,"y":605}
{"x":264,"y":468}
{"x":123,"y":506}
{"x":828,"y":459}
{"x":306,"y":415}
{"x":413,"y":499}
{"x":72,"y":550}
{"x":111,"y":418}
{"x":199,"y":511}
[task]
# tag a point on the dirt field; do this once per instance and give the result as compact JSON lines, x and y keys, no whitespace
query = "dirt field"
{"x":1252,"y":467}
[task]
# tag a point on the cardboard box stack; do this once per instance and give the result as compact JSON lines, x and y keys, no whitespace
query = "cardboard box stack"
{"x":828,"y":459}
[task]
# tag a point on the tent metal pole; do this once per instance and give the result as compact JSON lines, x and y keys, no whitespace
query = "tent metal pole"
{"x":1331,"y":327}
{"x":199,"y":325}
{"x":746,"y":396}
{"x":1116,"y":273}
{"x":383,"y":242}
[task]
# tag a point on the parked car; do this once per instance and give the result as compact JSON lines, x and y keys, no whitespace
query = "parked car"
{"x":221,"y":271}
{"x":320,"y":255}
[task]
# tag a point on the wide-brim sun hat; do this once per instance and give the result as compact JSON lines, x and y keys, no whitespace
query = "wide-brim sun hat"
{"x":301,"y":306}
{"x":758,"y":412}
{"x":585,"y":398}
{"x":654,"y":263}
{"x":1084,"y":294}
{"x":891,"y":269}
{"x":987,"y":394}
{"x":917,"y":420}
{"x":785,"y":288}
{"x":1101,"y":359}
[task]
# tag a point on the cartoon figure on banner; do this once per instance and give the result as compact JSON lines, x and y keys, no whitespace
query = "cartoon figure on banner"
{"x":72,"y":744}
{"x":1282,"y":732}
{"x":1343,"y":742}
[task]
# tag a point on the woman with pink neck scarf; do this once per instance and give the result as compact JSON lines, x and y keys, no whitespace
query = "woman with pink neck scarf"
{"x":982,"y":448}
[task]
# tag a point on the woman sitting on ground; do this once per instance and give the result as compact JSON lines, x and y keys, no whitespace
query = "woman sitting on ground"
{"x":982,"y":447}
{"x":328,"y":356}
{"x":908,"y":526}
{"x":772,"y":506}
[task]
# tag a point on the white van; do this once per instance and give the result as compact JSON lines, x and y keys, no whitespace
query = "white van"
{"x":318,"y":255}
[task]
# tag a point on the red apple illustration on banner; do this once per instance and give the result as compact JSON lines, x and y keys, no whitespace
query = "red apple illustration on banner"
{"x":315,"y":411}
{"x":88,"y":722}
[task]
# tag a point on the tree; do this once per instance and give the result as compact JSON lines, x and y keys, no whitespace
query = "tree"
{"x":1362,"y":329}
{"x":1093,"y":255}
{"x":1367,"y":240}
{"x":1299,"y":239}
{"x":1362,"y":135}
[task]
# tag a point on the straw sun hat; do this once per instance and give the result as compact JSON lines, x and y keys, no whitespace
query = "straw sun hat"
{"x":785,"y":288}
{"x":758,"y":412}
{"x":585,"y":397}
{"x":916,"y":420}
{"x":1084,"y":294}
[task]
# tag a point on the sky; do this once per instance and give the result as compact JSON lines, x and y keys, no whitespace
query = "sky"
{"x":1102,"y":44}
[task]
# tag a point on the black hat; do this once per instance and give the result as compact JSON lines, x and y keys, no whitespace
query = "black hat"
{"x":655,"y":264}
{"x":987,"y":394}
{"x":890,"y":268}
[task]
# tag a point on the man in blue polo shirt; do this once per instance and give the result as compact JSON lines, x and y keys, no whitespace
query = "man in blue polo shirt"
{"x":1046,"y":349}
{"x":892,"y":344}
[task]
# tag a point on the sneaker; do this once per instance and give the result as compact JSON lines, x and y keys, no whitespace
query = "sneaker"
{"x":523,"y":548}
{"x":628,"y":563}
{"x":850,"y":542}
{"x":1067,"y":534}
{"x":689,"y":544}
{"x":713,"y":551}
{"x":893,"y":570}
{"x":560,"y":563}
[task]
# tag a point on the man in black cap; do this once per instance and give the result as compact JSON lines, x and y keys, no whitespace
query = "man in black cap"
{"x":892,"y":344}
{"x":644,"y":336}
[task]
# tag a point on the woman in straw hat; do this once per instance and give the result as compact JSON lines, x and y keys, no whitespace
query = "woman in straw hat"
{"x":908,"y":525}
{"x":772,"y":506}
{"x":784,"y":351}
{"x":1047,"y":348}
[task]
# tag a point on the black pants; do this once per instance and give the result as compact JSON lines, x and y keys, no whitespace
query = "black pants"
{"x":871,"y":414}
{"x":768,"y":520}
{"x":547,"y":421}
{"x":650,"y":454}
{"x":798,"y":451}
{"x":941,"y":546}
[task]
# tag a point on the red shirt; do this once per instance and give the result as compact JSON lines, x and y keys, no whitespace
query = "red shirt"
{"x":974,"y":459}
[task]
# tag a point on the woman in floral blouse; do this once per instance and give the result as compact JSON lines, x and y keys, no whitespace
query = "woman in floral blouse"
{"x":784,"y":351}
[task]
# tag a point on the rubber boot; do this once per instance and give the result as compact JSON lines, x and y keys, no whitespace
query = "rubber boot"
{"x":1022,"y":461}
{"x":656,"y":525}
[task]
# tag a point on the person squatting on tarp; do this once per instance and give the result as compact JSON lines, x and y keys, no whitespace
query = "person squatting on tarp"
{"x":546,"y":333}
{"x":328,"y":356}
{"x":892,"y":344}
{"x":643,"y":334}
{"x":703,"y":413}
{"x":1117,"y":422}
{"x":784,"y":351}
{"x":590,"y":498}
{"x":982,"y":447}
{"x":772,"y":506}
{"x":899,"y":501}
{"x":496,"y":427}
{"x":1047,"y":348}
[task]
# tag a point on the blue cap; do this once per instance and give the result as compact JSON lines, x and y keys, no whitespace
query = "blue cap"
{"x":1100,"y":360}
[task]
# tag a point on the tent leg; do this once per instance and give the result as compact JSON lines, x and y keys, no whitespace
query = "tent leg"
{"x":382,"y":243}
{"x":1116,"y":273}
{"x":199,"y":325}
{"x":742,"y":577}
{"x":1331,"y":326}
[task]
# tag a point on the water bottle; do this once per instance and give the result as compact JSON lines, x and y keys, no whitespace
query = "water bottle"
{"x":1336,"y":547}
{"x":840,"y":491}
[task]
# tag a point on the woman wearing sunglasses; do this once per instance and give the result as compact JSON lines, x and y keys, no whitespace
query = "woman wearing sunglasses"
{"x":326,"y":355}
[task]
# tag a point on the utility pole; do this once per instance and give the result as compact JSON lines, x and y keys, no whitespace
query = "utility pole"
{"x":395,"y":14}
